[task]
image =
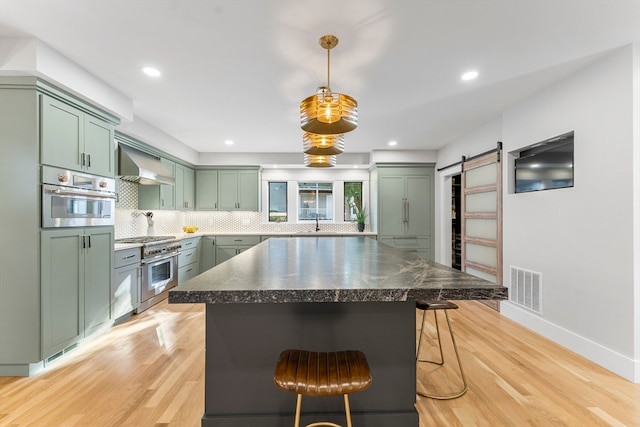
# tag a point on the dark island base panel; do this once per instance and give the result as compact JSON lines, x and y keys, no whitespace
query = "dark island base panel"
{"x":369,"y":420}
{"x":243,"y":342}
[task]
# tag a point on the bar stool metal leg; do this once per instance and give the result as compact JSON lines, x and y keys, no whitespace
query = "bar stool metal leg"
{"x":435,"y":307}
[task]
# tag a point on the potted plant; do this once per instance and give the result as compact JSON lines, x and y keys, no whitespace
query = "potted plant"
{"x":361,"y":216}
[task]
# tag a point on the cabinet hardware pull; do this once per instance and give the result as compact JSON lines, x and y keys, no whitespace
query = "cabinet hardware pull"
{"x":129,"y":256}
{"x":188,"y":270}
{"x":407,"y":210}
{"x":88,"y":160}
{"x":89,"y":238}
{"x":188,"y":255}
{"x":82,"y":163}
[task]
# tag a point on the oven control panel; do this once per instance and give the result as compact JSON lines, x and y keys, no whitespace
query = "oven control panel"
{"x":160,"y":249}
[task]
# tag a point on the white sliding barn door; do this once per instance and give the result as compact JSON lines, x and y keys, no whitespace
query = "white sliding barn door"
{"x":481,"y":207}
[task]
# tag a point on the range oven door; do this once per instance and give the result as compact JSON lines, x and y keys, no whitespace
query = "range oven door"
{"x":65,"y":207}
{"x":158,"y":275}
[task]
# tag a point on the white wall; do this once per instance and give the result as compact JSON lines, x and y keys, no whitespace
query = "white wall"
{"x":581,"y":239}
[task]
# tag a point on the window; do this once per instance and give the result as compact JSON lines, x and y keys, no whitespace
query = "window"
{"x":315,"y":201}
{"x":352,"y":200}
{"x":277,"y":202}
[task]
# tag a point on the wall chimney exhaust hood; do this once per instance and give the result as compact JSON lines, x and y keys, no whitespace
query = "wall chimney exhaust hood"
{"x":142,"y":168}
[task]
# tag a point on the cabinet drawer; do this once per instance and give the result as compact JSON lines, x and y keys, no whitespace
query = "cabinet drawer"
{"x":406,"y":242}
{"x":190,"y":243}
{"x":187,"y":256}
{"x":187,"y":272}
{"x":127,"y":257}
{"x":237,"y":240}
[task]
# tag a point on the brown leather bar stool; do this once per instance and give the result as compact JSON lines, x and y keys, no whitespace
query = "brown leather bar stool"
{"x":311,"y":373}
{"x":435,"y":306}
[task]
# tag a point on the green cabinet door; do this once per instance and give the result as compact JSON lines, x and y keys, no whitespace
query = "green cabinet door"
{"x":62,"y":290}
{"x":189,"y":189}
{"x":179,"y":188}
{"x":207,"y":253}
{"x":419,"y":209}
{"x":207,"y":190}
{"x":62,"y":134}
{"x":185,"y":188}
{"x":159,"y":196}
{"x":224,"y":253}
{"x":99,"y":147}
{"x":167,"y":192}
{"x":98,"y":270}
{"x":392,"y":205}
{"x":227,"y":190}
{"x":125,"y":290}
{"x":248,"y":190}
{"x":75,"y":140}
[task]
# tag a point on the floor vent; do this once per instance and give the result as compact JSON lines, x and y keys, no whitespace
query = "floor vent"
{"x":526,"y":289}
{"x":59,"y":354}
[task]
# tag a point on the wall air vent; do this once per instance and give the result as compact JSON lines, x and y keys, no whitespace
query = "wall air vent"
{"x":526,"y":289}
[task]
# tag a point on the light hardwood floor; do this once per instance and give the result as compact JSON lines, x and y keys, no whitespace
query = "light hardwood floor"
{"x":149,"y":372}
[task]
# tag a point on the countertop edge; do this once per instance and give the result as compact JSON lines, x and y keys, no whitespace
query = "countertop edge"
{"x":177,"y":296}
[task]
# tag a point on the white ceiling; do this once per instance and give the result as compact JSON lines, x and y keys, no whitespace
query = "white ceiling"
{"x":237,"y":69}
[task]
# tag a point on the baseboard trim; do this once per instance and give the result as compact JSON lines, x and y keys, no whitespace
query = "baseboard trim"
{"x":597,"y":353}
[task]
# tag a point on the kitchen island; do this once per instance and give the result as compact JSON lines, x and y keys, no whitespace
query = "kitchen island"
{"x":320,"y":294}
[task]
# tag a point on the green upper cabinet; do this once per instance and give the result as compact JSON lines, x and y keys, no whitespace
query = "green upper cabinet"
{"x":168,"y":192}
{"x":238,"y":190}
{"x":159,"y":196}
{"x":185,"y":188}
{"x":227,"y":189}
{"x":206,"y":190}
{"x":76,"y":140}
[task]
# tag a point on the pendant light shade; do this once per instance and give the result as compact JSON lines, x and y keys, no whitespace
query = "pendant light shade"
{"x":312,"y":161}
{"x":319,"y":145}
{"x":328,"y":113}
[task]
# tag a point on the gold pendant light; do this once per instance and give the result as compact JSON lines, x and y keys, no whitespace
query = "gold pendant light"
{"x":312,"y":161}
{"x":319,"y":145}
{"x":328,"y":113}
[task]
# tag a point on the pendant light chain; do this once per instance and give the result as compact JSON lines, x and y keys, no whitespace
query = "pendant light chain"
{"x":329,"y":69}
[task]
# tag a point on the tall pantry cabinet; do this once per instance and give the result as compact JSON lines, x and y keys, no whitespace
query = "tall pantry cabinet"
{"x":403,"y":200}
{"x":33,"y":116}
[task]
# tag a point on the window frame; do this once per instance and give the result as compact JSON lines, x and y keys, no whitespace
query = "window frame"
{"x":317,"y":192}
{"x":286,"y":202}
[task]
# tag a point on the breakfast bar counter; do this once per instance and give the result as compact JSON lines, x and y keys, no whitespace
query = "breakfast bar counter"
{"x":322,"y":294}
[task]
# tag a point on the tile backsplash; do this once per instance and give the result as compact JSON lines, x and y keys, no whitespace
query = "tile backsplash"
{"x":130,"y":220}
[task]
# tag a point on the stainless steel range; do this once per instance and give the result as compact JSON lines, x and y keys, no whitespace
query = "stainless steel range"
{"x":159,"y":264}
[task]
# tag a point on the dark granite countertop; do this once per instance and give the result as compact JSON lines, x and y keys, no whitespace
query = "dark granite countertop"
{"x":326,"y":269}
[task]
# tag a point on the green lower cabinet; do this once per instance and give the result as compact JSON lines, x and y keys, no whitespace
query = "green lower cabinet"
{"x":229,"y":246}
{"x":77,"y":270}
{"x":126,"y":283}
{"x":189,"y":259}
{"x":207,"y":253}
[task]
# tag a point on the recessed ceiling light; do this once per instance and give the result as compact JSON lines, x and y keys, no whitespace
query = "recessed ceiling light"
{"x":228,"y":142}
{"x":469,"y":75}
{"x":392,"y":143}
{"x":150,"y":71}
